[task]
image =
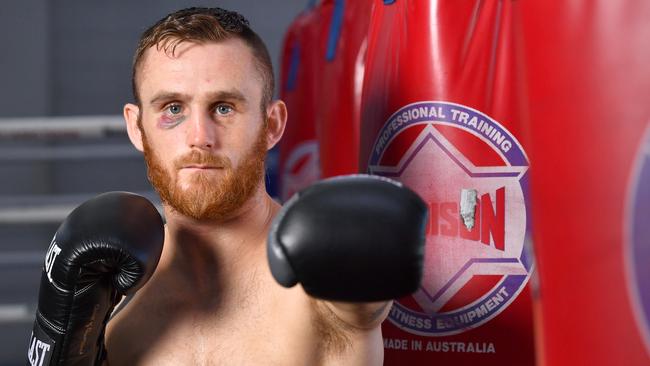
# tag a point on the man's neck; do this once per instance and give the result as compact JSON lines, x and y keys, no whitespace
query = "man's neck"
{"x":208,"y":254}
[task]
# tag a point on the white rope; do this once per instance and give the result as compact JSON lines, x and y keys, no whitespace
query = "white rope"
{"x":66,"y":152}
{"x":53,"y":209}
{"x":68,"y":127}
{"x":22,"y":258}
{"x":16,"y":313}
{"x":34,"y":215}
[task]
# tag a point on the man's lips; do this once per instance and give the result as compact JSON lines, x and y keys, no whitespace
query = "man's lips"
{"x":202,"y":167}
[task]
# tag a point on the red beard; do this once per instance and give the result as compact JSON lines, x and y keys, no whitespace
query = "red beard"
{"x":208,"y":198}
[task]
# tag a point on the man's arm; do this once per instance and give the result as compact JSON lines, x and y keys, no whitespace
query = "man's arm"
{"x":355,"y":242}
{"x":363,"y":316}
{"x":351,"y":331}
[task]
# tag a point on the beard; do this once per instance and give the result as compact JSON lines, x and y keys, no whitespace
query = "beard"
{"x":207,"y":196}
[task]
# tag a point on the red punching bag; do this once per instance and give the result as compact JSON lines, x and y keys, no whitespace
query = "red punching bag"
{"x":588,"y":89}
{"x":441,"y":113}
{"x":341,"y":80}
{"x":301,"y":58}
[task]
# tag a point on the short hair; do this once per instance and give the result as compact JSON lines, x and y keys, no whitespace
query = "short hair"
{"x":201,"y":25}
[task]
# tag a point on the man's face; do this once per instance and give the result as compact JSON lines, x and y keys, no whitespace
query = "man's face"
{"x":203,"y":130}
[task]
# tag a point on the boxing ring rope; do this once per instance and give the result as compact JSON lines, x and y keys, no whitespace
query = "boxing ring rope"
{"x":58,"y":127}
{"x":49,"y":139}
{"x":35,"y":209}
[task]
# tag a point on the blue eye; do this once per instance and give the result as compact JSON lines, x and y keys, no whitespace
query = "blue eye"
{"x":223,"y":109}
{"x":175,"y":109}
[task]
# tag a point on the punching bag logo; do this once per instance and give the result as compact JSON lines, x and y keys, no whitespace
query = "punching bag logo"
{"x":638,"y":237}
{"x":473,"y":174}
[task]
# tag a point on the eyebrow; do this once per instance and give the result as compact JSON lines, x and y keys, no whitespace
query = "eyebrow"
{"x":229,"y":95}
{"x":166,"y":95}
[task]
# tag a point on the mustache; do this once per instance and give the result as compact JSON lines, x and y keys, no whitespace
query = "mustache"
{"x":199,"y":157}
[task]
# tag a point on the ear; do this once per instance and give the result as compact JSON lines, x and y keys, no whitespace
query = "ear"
{"x":131,"y":112}
{"x":277,"y":121}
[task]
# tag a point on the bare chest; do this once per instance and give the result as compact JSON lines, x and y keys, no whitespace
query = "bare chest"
{"x":263,"y":329}
{"x":232,"y":343}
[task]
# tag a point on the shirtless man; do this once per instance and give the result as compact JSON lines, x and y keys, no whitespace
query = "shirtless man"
{"x":204,"y":118}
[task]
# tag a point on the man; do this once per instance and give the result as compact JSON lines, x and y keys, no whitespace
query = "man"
{"x":204,"y":118}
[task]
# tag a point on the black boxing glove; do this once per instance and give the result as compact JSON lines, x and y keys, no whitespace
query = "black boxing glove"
{"x":356,"y":238}
{"x":107,"y":247}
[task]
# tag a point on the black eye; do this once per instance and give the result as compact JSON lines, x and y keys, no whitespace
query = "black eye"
{"x":174,"y":109}
{"x":223,"y":109}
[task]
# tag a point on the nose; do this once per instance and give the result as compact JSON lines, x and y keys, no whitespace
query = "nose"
{"x":202,"y":132}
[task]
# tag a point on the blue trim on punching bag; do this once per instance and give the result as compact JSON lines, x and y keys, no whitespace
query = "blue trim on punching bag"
{"x":294,"y":63}
{"x":388,"y":2}
{"x":335,"y":29}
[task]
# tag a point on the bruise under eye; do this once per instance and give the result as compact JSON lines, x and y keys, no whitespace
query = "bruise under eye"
{"x":169,"y":121}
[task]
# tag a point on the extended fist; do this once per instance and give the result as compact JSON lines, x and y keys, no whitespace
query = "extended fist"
{"x":356,"y":238}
